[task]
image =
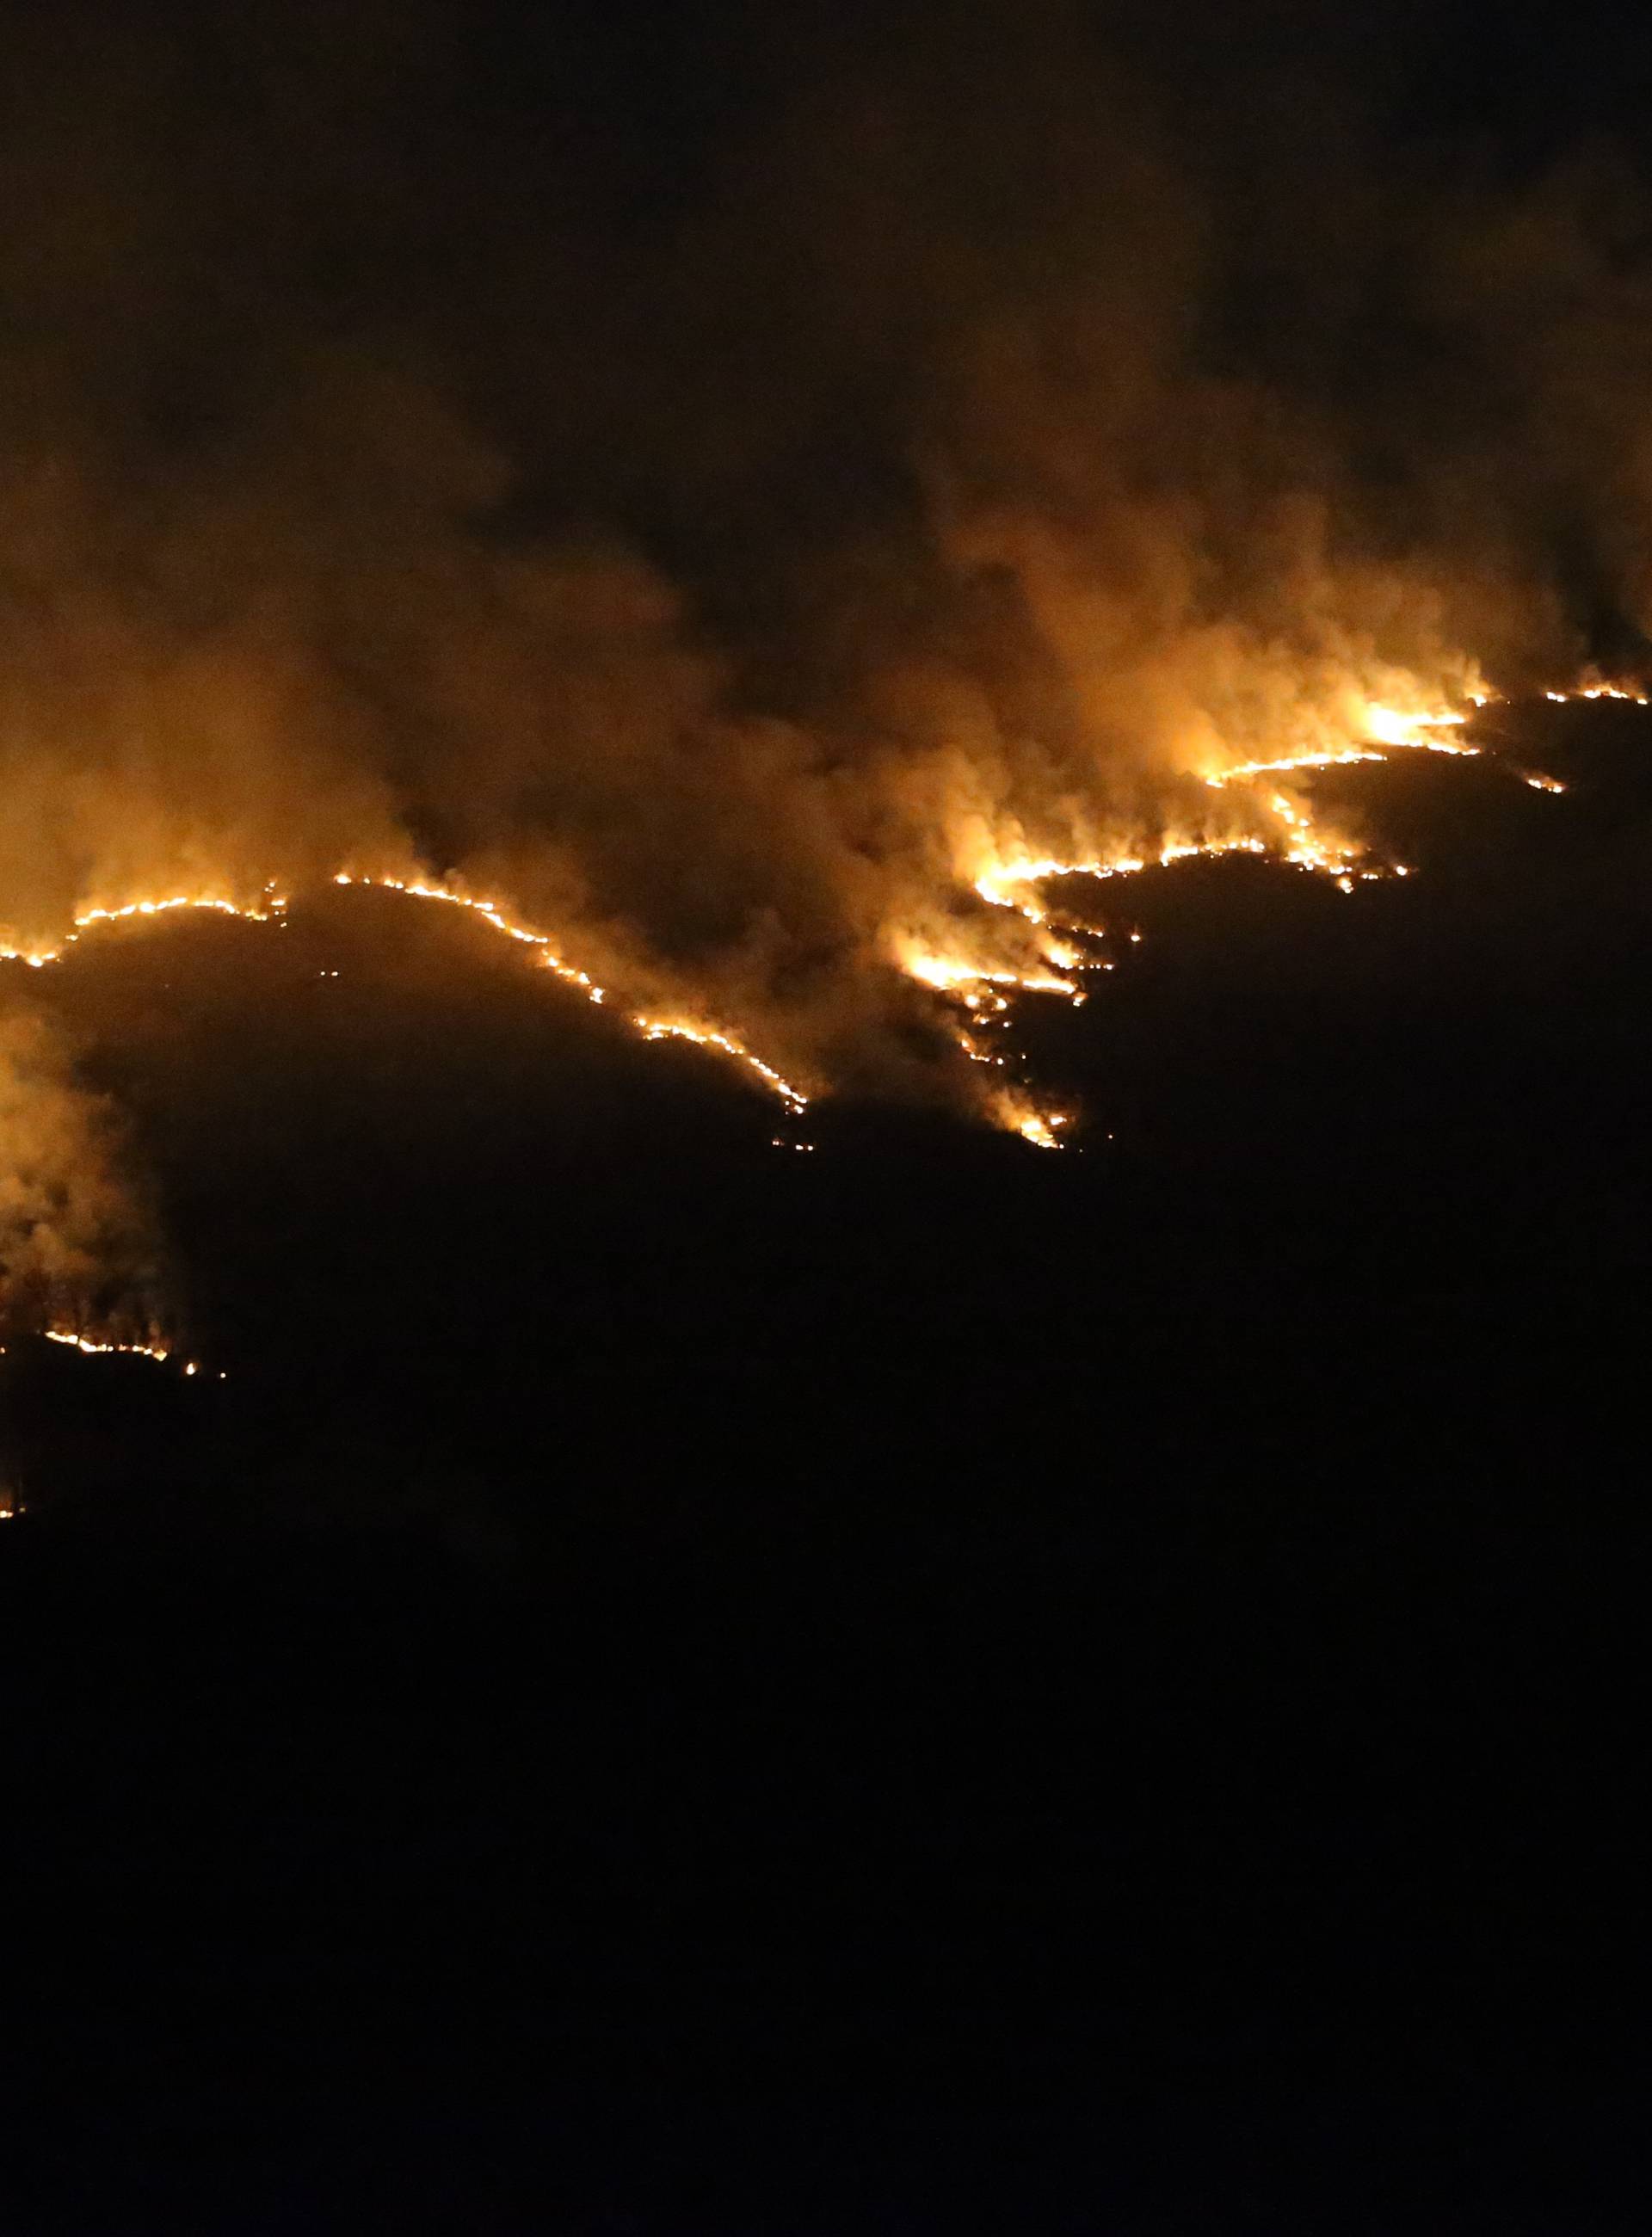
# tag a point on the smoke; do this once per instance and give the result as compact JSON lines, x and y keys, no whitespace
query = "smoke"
{"x":726,"y":493}
{"x":75,"y":1250}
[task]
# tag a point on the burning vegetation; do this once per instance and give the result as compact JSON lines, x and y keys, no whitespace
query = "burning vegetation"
{"x":980,"y":481}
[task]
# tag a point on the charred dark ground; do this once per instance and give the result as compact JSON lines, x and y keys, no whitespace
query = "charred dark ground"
{"x":682,"y":1686}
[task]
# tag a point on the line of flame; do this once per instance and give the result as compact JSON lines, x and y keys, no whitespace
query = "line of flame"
{"x":652,"y":1029}
{"x":710,"y":1037}
{"x":1011,"y":885}
{"x":1014,"y":883}
{"x":96,"y":1347}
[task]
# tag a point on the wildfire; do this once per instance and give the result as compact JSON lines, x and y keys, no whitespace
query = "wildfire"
{"x":659,"y":1029}
{"x":97,"y":1348}
{"x":1338,"y":758}
{"x":1009,"y":884}
{"x":488,"y":912}
{"x":1013,"y":881}
{"x":651,"y":1029}
{"x":978,"y":976}
{"x":1016,"y":1112}
{"x":950,"y":973}
{"x":85,"y":919}
{"x":1385,"y":730}
{"x":491,"y":914}
{"x":1417,"y":733}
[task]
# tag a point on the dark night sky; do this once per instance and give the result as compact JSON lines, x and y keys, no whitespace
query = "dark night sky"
{"x":679,"y":1688}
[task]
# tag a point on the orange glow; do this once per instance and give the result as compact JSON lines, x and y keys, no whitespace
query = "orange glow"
{"x":1634,"y":696}
{"x":1418,"y":733}
{"x":1017,"y":1113}
{"x":977,"y":970}
{"x":1013,"y":880}
{"x":949,"y":974}
{"x":652,"y":1029}
{"x":93,"y":1347}
{"x":489,"y":914}
{"x":1338,"y":758}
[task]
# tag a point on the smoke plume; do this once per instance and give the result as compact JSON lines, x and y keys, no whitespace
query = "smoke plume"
{"x":75,"y":1250}
{"x":753,"y":499}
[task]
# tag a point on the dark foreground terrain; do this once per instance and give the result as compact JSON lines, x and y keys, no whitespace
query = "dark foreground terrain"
{"x":681,"y":1688}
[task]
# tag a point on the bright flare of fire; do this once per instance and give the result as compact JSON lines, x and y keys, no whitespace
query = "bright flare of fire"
{"x":948,"y":974}
{"x":1338,"y":758}
{"x":1018,"y":1113}
{"x":1384,"y":731}
{"x":1418,"y":733}
{"x":1013,"y":881}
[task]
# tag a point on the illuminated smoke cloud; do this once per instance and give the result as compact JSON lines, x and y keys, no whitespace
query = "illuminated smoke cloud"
{"x":759,"y":552}
{"x":77,"y":1252}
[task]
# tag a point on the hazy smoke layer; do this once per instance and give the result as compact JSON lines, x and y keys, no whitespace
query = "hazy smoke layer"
{"x":728,"y":486}
{"x":74,"y":1249}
